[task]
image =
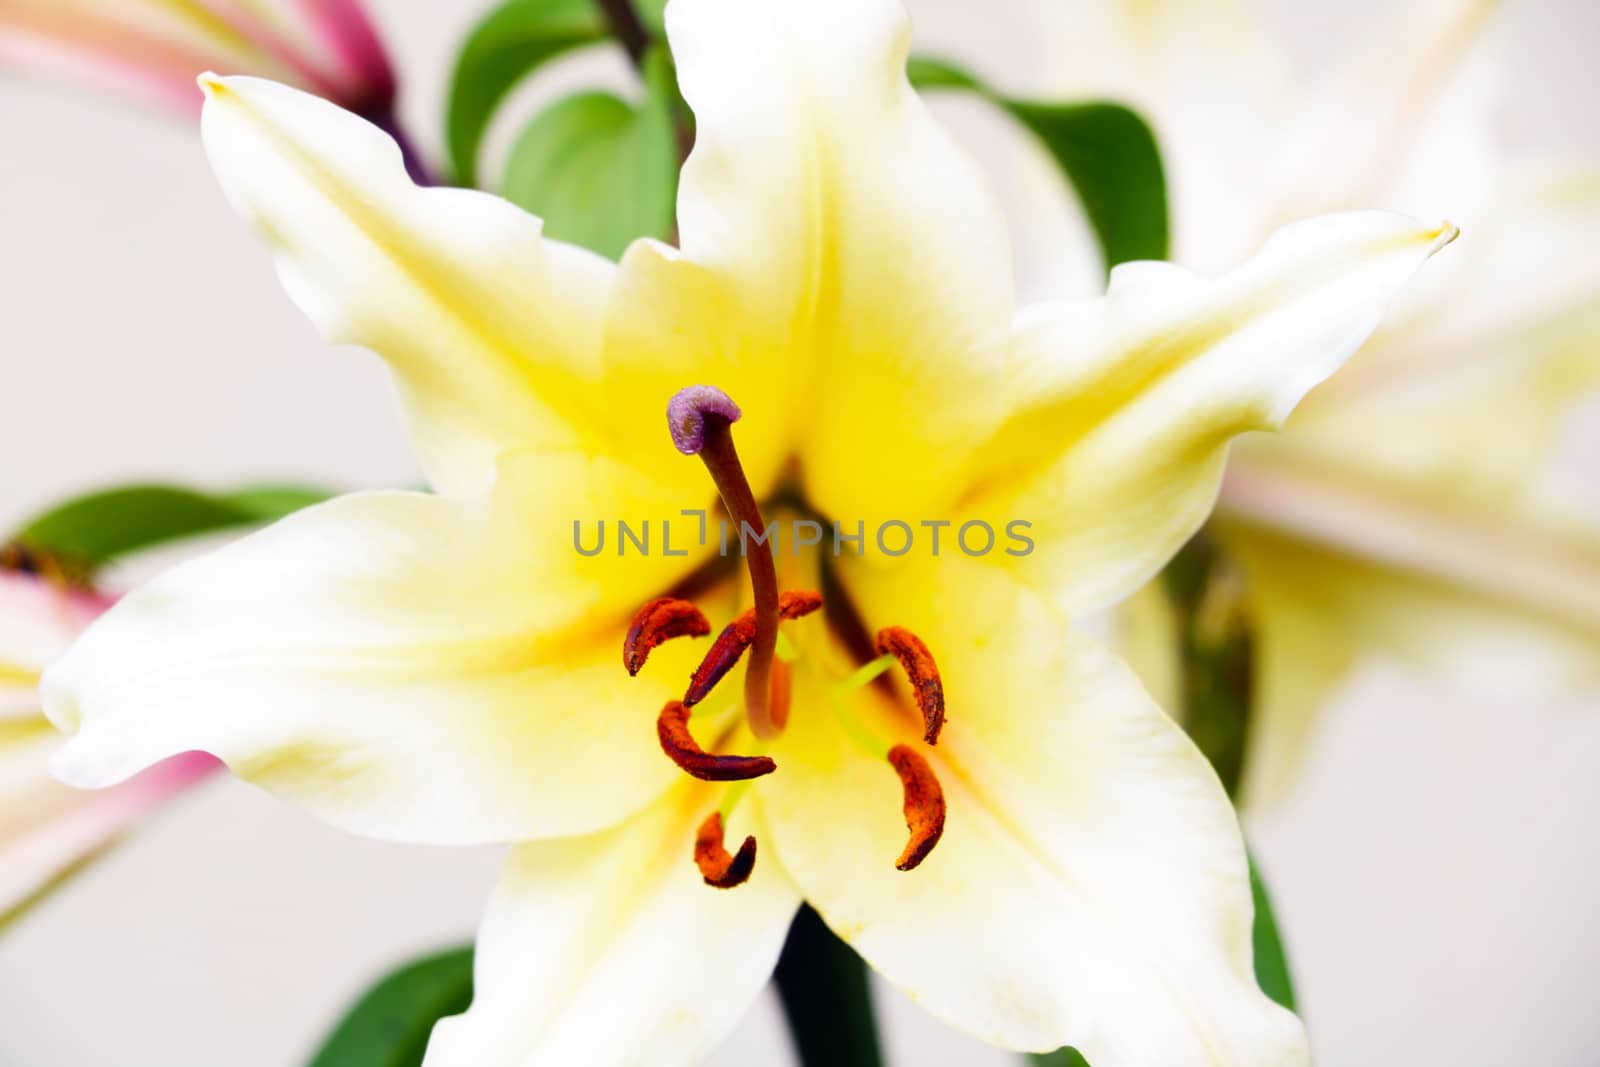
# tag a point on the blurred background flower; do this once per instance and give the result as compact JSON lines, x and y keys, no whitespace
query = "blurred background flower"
{"x":1413,"y":509}
{"x":48,"y":830}
{"x":155,"y":48}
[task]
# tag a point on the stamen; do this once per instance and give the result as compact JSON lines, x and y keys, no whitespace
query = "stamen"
{"x":924,"y":805}
{"x":918,"y":664}
{"x":737,"y":636}
{"x":717,"y":866}
{"x":701,"y":419}
{"x":672,"y":727}
{"x":657,"y":622}
{"x":782,"y":693}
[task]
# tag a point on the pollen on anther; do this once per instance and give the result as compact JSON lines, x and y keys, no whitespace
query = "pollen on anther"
{"x":657,"y":622}
{"x":924,"y":805}
{"x":717,"y":866}
{"x":672,"y":729}
{"x":926,"y":685}
{"x":737,"y":636}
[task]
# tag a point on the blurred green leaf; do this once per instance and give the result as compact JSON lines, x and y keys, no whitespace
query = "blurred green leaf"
{"x":1105,"y":150}
{"x":1061,"y":1057}
{"x":95,"y":529}
{"x":390,"y":1024}
{"x":507,"y":45}
{"x":599,"y":171}
{"x":1272,"y":964}
{"x":827,"y":999}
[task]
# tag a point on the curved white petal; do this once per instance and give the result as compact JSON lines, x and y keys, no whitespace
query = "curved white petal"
{"x":844,"y":274}
{"x":1131,"y":401}
{"x":610,"y":950}
{"x":493,"y":332}
{"x":1090,"y":888}
{"x":405,"y":666}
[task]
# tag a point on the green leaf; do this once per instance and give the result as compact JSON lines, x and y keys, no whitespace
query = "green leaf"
{"x":599,"y":171}
{"x":95,"y":529}
{"x":1061,"y":1057}
{"x":389,"y":1026}
{"x":511,"y":42}
{"x":826,"y":999}
{"x":1105,"y":150}
{"x":1272,"y":964}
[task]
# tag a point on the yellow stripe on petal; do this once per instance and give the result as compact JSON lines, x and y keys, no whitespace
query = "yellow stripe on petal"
{"x":493,"y":332}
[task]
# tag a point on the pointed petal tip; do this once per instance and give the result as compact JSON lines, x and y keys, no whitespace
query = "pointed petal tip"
{"x":1443,"y":234}
{"x":212,"y":84}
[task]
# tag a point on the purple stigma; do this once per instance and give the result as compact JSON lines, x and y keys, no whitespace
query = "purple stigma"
{"x":687,"y":412}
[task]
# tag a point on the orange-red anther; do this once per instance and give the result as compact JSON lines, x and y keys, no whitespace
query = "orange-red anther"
{"x":672,"y":727}
{"x":657,"y":622}
{"x":736,"y":637}
{"x":926,"y":686}
{"x":924,"y":805}
{"x":717,"y":866}
{"x":798,"y":603}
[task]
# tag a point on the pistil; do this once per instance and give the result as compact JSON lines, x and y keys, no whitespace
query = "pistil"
{"x":701,"y":420}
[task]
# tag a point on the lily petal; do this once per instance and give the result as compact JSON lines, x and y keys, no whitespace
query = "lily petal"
{"x":1090,"y":887}
{"x":1116,"y":458}
{"x":405,"y":666}
{"x":842,"y":262}
{"x":48,"y":830}
{"x":1484,"y":601}
{"x":38,"y":620}
{"x":492,"y":331}
{"x":610,"y":949}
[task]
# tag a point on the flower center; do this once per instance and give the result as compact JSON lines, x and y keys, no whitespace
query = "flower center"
{"x":701,"y":420}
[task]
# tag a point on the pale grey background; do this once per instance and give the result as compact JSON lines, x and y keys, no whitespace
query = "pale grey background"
{"x":1436,"y":874}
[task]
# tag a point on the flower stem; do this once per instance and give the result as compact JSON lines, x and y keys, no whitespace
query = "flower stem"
{"x":626,"y":27}
{"x":1217,"y":646}
{"x":823,"y":985}
{"x":630,"y":31}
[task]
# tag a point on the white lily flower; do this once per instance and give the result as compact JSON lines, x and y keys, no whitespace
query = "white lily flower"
{"x":1413,"y":508}
{"x":445,"y":669}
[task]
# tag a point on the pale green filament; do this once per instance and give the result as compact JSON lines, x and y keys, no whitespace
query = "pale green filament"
{"x":859,"y":733}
